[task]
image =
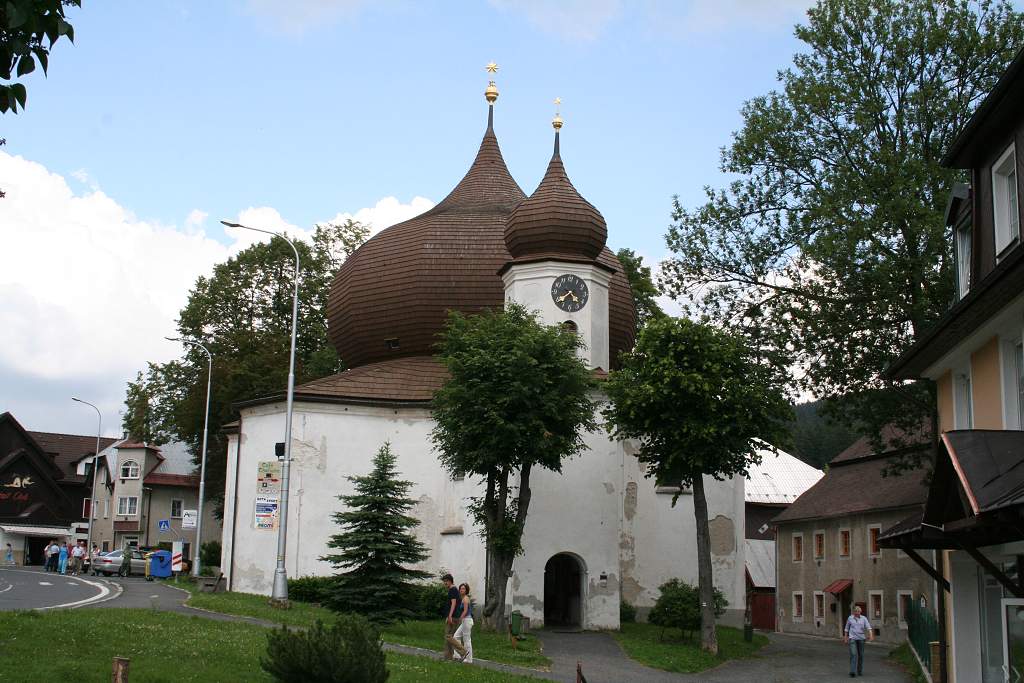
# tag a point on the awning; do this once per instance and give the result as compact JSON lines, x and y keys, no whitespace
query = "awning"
{"x":51,"y":531}
{"x":838,"y":586}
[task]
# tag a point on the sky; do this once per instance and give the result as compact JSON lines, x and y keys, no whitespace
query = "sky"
{"x":163,"y":118}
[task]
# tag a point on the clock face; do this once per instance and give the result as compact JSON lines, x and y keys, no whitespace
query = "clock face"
{"x":569,"y":293}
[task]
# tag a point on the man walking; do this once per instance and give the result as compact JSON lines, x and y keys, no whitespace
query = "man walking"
{"x":77,"y":557}
{"x":452,"y":611}
{"x":857,"y":629}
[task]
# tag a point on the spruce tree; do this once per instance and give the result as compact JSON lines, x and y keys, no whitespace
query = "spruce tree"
{"x":376,"y":546}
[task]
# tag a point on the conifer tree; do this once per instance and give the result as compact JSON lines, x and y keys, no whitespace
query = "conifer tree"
{"x":376,"y":546}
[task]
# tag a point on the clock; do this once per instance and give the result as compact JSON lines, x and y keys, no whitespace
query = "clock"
{"x":569,"y":293}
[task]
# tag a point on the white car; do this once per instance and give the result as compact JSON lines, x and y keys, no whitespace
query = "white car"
{"x":112,"y":562}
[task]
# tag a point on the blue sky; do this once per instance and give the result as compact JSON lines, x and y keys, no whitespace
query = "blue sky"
{"x":164,"y":117}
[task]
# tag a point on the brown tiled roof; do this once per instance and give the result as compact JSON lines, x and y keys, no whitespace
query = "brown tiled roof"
{"x":555,"y":219}
{"x":160,"y":479}
{"x":391,"y":298}
{"x":857,"y":486}
{"x":135,"y":443}
{"x":893,"y":439}
{"x":402,"y":379}
{"x":68,"y":449}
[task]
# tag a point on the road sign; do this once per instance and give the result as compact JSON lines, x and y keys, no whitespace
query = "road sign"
{"x":165,"y":525}
{"x":188,"y":519}
{"x":176,"y":552}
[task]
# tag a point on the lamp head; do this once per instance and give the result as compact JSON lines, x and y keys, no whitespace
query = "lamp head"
{"x":231,"y":225}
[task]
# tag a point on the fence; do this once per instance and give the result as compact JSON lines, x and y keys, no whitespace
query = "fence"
{"x":922,"y":629}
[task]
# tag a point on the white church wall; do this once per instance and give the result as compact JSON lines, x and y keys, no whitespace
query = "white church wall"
{"x":331,"y":442}
{"x":658,"y":541}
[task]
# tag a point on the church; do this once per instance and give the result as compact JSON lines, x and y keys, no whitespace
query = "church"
{"x":597,"y":534}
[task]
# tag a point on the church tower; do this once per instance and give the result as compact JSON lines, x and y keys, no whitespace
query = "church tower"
{"x":555,"y":237}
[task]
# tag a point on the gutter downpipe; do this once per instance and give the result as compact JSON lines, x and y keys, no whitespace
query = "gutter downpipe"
{"x":234,"y":515}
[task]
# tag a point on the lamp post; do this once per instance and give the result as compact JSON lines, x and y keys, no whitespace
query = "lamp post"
{"x":279,"y":592}
{"x":202,"y":467}
{"x":95,"y":475}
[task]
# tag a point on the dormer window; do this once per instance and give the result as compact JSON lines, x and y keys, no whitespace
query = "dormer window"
{"x":964,"y":235}
{"x":1006,"y":209}
{"x":129,"y":469}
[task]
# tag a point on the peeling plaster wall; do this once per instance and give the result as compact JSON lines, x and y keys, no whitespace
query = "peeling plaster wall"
{"x":658,"y":541}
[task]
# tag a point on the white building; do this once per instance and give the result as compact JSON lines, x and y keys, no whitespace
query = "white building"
{"x":597,"y":533}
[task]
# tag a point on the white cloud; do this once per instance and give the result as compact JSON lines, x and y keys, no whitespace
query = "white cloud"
{"x":296,"y":16}
{"x":387,"y":212}
{"x":89,"y":290}
{"x":574,"y":20}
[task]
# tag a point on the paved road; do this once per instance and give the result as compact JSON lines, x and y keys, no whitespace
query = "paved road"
{"x":786,"y":659}
{"x":26,"y":588}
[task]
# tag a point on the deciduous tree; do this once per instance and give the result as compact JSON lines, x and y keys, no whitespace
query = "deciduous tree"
{"x":518,"y":398}
{"x":641,"y":284}
{"x":828,"y":250}
{"x":700,"y":404}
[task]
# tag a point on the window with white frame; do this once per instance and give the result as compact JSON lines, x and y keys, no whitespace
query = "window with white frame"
{"x":819,"y":605}
{"x":129,"y":469}
{"x":176,"y":505}
{"x":1006,"y":210}
{"x":874,"y":550}
{"x":819,"y":545}
{"x":798,"y":547}
{"x":903,"y":601}
{"x":875,"y":608}
{"x":87,"y":508}
{"x":964,"y":236}
{"x":798,"y":606}
{"x":963,"y":402}
{"x":106,"y":506}
{"x":844,"y":543}
{"x":128,"y":506}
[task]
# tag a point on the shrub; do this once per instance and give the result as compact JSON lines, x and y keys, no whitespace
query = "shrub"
{"x":627,"y":613}
{"x":427,"y":600}
{"x":678,"y":606}
{"x":310,"y":588}
{"x":209,"y":554}
{"x":348,"y":652}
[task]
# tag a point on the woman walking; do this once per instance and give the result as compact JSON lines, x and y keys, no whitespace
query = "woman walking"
{"x":62,"y":559}
{"x":464,"y":633}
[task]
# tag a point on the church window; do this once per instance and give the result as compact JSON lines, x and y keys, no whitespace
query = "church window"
{"x":570,"y":326}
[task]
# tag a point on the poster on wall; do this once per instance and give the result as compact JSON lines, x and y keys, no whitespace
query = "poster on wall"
{"x":266,"y":512}
{"x":268,"y":477}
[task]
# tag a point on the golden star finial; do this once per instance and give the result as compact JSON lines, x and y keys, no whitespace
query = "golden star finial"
{"x":492,"y":68}
{"x":557,"y":121}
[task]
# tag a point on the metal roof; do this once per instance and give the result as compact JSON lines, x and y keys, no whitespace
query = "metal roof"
{"x":779,"y":479}
{"x":760,"y":560}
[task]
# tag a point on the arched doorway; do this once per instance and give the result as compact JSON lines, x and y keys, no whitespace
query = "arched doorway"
{"x":563,"y":591}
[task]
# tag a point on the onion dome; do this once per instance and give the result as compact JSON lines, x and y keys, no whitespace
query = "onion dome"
{"x":555,"y":221}
{"x":390,"y":299}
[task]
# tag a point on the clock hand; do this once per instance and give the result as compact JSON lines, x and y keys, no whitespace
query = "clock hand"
{"x":562,"y":298}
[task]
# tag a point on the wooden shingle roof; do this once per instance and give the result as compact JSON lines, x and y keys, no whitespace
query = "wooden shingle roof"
{"x":391,"y":298}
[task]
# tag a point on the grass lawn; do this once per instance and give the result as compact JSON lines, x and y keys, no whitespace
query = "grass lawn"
{"x":906,"y":659}
{"x":79,"y":645}
{"x":643,"y":643}
{"x":425,"y":634}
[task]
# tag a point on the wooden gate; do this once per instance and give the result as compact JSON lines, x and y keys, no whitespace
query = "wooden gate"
{"x":762,"y":611}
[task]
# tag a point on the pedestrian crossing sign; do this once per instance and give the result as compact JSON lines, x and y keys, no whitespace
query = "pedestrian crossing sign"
{"x":165,"y":525}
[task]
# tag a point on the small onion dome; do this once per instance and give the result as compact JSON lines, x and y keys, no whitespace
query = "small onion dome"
{"x":555,"y":220}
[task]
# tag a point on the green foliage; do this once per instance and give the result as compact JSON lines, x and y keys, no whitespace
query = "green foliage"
{"x":375,"y":545}
{"x":678,"y":606}
{"x":517,"y":396}
{"x":242,"y":313}
{"x":641,"y":284}
{"x":426,"y":600}
{"x":829,"y":251}
{"x":312,"y":589}
{"x":348,"y":652}
{"x":209,"y":554}
{"x":697,"y":400}
{"x":627,"y":613}
{"x":652,"y":647}
{"x":816,"y":438}
{"x":28,"y":31}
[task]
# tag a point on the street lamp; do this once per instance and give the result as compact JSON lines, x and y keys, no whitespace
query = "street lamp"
{"x":279,"y":593}
{"x":95,"y":475}
{"x":202,"y":467}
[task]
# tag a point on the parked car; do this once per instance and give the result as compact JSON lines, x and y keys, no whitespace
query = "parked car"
{"x":111,"y":563}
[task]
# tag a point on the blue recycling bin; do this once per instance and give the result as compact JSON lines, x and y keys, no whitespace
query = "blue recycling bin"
{"x":160,"y":564}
